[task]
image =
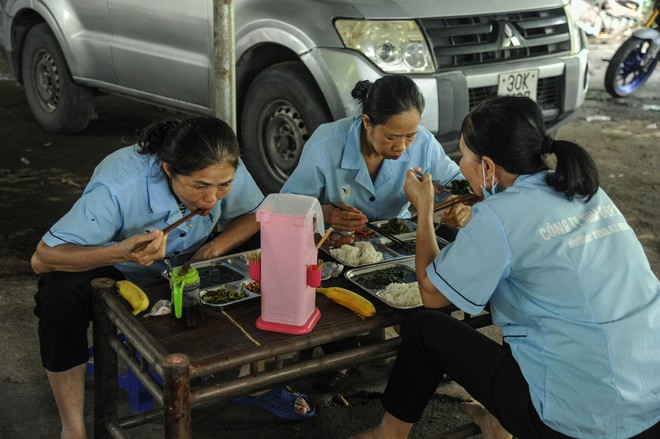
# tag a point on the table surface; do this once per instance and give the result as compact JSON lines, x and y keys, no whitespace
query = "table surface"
{"x":228,"y":337}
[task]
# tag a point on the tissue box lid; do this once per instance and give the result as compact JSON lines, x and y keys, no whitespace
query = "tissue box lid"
{"x":293,"y":205}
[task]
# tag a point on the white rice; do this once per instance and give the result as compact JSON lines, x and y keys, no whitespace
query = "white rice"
{"x":361,"y":253}
{"x":403,"y":295}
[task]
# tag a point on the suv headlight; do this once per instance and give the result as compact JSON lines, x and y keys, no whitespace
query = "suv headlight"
{"x":394,"y":46}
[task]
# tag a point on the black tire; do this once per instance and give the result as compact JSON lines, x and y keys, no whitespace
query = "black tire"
{"x":57,"y":103}
{"x":282,"y":108}
{"x":629,"y":68}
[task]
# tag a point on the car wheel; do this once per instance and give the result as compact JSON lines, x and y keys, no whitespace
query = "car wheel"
{"x":57,"y":103}
{"x":282,"y":107}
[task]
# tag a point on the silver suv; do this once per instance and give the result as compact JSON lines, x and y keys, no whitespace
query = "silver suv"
{"x":296,"y":61}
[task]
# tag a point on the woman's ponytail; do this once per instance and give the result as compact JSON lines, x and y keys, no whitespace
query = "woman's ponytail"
{"x":575,"y":172}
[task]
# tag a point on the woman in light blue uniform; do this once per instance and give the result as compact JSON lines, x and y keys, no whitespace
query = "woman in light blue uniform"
{"x":134,"y":193}
{"x":361,"y":162}
{"x":566,"y":280}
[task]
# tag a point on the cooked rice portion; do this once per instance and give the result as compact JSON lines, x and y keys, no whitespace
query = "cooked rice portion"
{"x":360,"y":253}
{"x":399,"y":294}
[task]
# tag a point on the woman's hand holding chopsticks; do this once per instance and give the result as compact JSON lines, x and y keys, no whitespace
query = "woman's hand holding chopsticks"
{"x":456,"y":216}
{"x":420,"y":191}
{"x":145,"y":248}
{"x":344,"y":218}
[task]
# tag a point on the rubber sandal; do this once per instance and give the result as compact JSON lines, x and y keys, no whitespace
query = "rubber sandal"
{"x":280,"y":401}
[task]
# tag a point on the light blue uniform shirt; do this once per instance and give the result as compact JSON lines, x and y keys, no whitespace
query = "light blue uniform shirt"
{"x":576,"y":299}
{"x":128,"y":194}
{"x":332,"y":169}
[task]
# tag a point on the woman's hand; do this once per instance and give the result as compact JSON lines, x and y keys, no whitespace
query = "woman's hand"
{"x":420,"y":193}
{"x":344,"y":218}
{"x":457,"y":215}
{"x":145,"y":248}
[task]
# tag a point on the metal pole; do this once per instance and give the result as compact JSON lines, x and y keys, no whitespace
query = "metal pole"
{"x":224,"y":61}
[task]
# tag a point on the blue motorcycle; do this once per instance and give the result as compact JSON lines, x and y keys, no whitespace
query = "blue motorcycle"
{"x":633,"y":62}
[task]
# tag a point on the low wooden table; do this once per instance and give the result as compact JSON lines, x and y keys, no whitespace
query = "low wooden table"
{"x":225,"y":341}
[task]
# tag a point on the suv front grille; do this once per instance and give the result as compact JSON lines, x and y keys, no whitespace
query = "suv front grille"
{"x":547,"y":94}
{"x":482,"y":39}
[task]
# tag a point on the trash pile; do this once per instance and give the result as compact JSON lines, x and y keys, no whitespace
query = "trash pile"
{"x":608,"y":18}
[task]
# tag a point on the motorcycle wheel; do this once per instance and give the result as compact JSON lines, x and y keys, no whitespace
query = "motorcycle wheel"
{"x":629,"y":68}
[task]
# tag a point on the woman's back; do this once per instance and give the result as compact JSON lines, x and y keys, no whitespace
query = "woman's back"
{"x":577,"y":302}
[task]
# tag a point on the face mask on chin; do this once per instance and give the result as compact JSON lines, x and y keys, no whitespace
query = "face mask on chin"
{"x":493,"y":184}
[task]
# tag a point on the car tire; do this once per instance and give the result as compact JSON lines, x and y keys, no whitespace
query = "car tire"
{"x":57,"y":103}
{"x":282,"y":108}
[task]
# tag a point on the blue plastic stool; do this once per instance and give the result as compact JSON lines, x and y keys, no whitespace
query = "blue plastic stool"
{"x":139,"y":397}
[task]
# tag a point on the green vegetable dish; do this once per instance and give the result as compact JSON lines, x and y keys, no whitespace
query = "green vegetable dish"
{"x":222,"y":295}
{"x":377,"y":280}
{"x":395,"y":226}
{"x":461,"y":187}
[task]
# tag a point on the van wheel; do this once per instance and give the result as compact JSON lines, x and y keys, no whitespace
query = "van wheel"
{"x":282,"y":108}
{"x":57,"y":103}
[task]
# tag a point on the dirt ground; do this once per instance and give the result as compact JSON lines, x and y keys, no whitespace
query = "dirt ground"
{"x":41,"y":175}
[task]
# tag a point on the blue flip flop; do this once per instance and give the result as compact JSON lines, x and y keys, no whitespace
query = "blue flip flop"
{"x":280,"y":401}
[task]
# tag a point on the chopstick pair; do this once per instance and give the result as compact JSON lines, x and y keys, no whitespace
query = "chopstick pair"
{"x":372,"y":226}
{"x":438,"y":186}
{"x":169,"y":228}
{"x":467,"y":198}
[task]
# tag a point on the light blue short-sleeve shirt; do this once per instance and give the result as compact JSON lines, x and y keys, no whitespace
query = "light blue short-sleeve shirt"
{"x":332,"y":169}
{"x":129,"y":194}
{"x":570,"y":287}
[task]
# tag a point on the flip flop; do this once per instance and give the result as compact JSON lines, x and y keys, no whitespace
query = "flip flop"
{"x":280,"y":401}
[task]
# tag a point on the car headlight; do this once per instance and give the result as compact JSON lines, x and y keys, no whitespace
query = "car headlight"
{"x":394,"y":46}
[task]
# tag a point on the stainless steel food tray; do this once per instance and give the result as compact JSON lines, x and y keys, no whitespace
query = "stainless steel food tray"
{"x":353,"y":274}
{"x":382,"y":244}
{"x":237,"y":263}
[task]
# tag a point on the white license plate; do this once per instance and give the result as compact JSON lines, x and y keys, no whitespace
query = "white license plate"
{"x":521,"y":83}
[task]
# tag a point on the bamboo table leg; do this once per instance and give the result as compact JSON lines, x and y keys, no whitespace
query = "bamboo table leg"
{"x":176,"y":397}
{"x":105,"y":364}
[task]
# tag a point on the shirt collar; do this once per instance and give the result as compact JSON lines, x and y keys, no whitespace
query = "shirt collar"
{"x":161,"y":198}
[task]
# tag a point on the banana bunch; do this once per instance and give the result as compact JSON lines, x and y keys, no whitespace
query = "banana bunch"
{"x":349,"y":299}
{"x":134,"y":295}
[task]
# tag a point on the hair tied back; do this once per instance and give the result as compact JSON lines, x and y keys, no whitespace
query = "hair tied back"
{"x":546,"y":147}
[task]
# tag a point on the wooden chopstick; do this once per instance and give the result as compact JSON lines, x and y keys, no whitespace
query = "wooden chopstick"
{"x":328,"y":231}
{"x":436,"y":185}
{"x":467,"y":198}
{"x":169,"y":228}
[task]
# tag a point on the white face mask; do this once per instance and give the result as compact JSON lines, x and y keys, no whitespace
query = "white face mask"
{"x":493,"y":184}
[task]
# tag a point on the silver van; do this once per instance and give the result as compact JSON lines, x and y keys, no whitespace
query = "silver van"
{"x":296,"y":61}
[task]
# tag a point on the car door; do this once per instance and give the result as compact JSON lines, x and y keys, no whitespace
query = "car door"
{"x":163,"y":49}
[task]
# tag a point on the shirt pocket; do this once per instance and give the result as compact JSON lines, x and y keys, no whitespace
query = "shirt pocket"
{"x":514,"y":333}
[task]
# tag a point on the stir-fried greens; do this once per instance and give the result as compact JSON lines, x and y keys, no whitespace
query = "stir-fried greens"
{"x":377,"y":280}
{"x":395,"y":226}
{"x":460,"y":187}
{"x":222,"y":295}
{"x":404,"y":248}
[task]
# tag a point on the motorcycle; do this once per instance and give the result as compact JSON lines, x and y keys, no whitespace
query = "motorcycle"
{"x":633,"y":62}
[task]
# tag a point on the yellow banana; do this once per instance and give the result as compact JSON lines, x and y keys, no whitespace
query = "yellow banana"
{"x":134,"y":295}
{"x":349,"y":299}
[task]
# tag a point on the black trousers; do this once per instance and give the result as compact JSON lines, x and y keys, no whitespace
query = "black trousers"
{"x":64,"y":307}
{"x":433,"y":343}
